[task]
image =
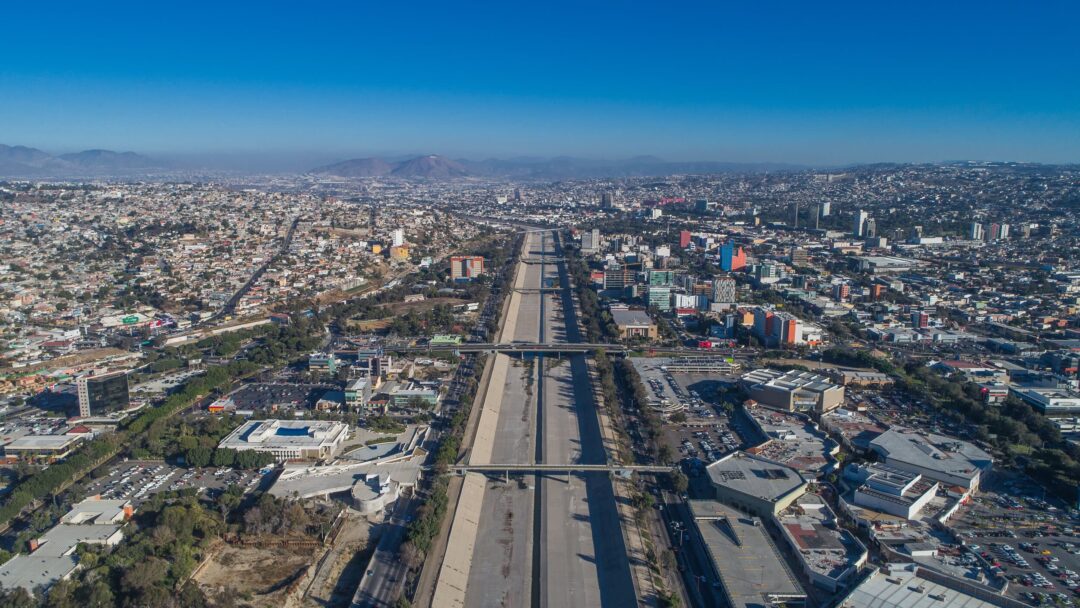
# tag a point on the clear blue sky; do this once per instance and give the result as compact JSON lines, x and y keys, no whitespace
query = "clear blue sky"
{"x":803,"y":82}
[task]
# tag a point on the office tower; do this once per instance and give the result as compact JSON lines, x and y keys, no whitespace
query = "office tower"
{"x":817,"y":216}
{"x":466,"y":267}
{"x":859,"y":227}
{"x":920,"y":320}
{"x":517,"y":194}
{"x":826,"y":209}
{"x":659,"y":297}
{"x":841,"y":292}
{"x":796,"y":222}
{"x":723,"y":290}
{"x":732,"y":257}
{"x":799,"y":257}
{"x":102,"y":394}
{"x":662,"y":278}
{"x":607,"y":200}
{"x":590,"y":241}
{"x":397,"y":238}
{"x":617,"y":277}
{"x":871,"y":228}
{"x":684,"y":239}
{"x":1003,"y":234}
{"x":916,"y":232}
{"x":975,"y":232}
{"x":877,"y":290}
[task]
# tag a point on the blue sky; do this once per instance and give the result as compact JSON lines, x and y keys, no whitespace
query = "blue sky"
{"x":801,"y":82}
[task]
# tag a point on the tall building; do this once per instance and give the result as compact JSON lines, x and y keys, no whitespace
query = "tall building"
{"x":102,"y":394}
{"x":859,"y":227}
{"x":590,"y":241}
{"x":397,"y":238}
{"x":799,"y":257}
{"x":466,"y":267}
{"x":723,"y":290}
{"x":998,"y":232}
{"x":975,"y":231}
{"x":617,"y":277}
{"x":826,"y":209}
{"x":870,"y":228}
{"x":920,"y":320}
{"x":684,"y":239}
{"x":661,"y":278}
{"x":732,"y":257}
{"x":659,"y":297}
{"x":841,"y":292}
{"x":607,"y":200}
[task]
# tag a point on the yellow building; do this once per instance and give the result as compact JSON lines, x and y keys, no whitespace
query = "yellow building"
{"x":401,"y":252}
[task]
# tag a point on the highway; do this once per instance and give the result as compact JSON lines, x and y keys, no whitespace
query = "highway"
{"x":550,"y":538}
{"x":383,"y":580}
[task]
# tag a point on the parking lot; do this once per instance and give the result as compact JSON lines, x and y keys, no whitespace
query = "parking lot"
{"x":1033,"y":541}
{"x":707,"y":433}
{"x":138,"y":481}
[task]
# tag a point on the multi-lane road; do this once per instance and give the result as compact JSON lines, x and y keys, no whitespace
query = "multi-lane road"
{"x":544,"y":539}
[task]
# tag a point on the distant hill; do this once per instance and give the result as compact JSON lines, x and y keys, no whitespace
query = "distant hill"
{"x":24,"y":162}
{"x":107,"y":160}
{"x":431,"y":167}
{"x":562,"y":167}
{"x":357,"y":167}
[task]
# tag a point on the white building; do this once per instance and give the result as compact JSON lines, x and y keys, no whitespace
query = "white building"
{"x":289,"y":439}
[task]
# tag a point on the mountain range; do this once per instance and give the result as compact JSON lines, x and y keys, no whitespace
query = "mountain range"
{"x":21,"y":161}
{"x":564,"y":167}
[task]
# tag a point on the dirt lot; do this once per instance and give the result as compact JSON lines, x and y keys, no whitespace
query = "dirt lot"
{"x":261,"y":575}
{"x":399,"y":308}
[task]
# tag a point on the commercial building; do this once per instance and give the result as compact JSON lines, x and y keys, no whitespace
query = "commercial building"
{"x":831,"y":557}
{"x":913,"y":586}
{"x":882,"y":264}
{"x":660,"y":297}
{"x":780,"y":329}
{"x":53,"y":556}
{"x":732,"y":257}
{"x":289,"y":439}
{"x":859,"y":227}
{"x":590,"y":241}
{"x":466,"y":267}
{"x":358,"y":393}
{"x":723,"y":290}
{"x":41,"y":448}
{"x":633,"y":323}
{"x":952,"y":462}
{"x":101,"y":394}
{"x":754,"y":484}
{"x":744,"y":559}
{"x":1050,"y":401}
{"x":792,"y":391}
{"x":890,"y":490}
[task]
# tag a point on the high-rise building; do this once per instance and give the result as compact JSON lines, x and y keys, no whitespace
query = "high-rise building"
{"x":662,"y":278}
{"x":870,"y":228}
{"x":607,"y":200}
{"x":102,"y":394}
{"x":723,"y":290}
{"x":975,"y":231}
{"x":659,"y":297}
{"x":799,"y":257}
{"x":590,"y":241}
{"x":732,"y":257}
{"x":998,"y":232}
{"x":466,"y":267}
{"x":826,"y":209}
{"x":397,"y":238}
{"x":841,"y":292}
{"x":920,"y":320}
{"x":859,"y":227}
{"x":684,"y":239}
{"x":617,"y":277}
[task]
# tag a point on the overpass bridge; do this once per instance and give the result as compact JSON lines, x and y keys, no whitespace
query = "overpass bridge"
{"x":559,"y":468}
{"x":511,"y":347}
